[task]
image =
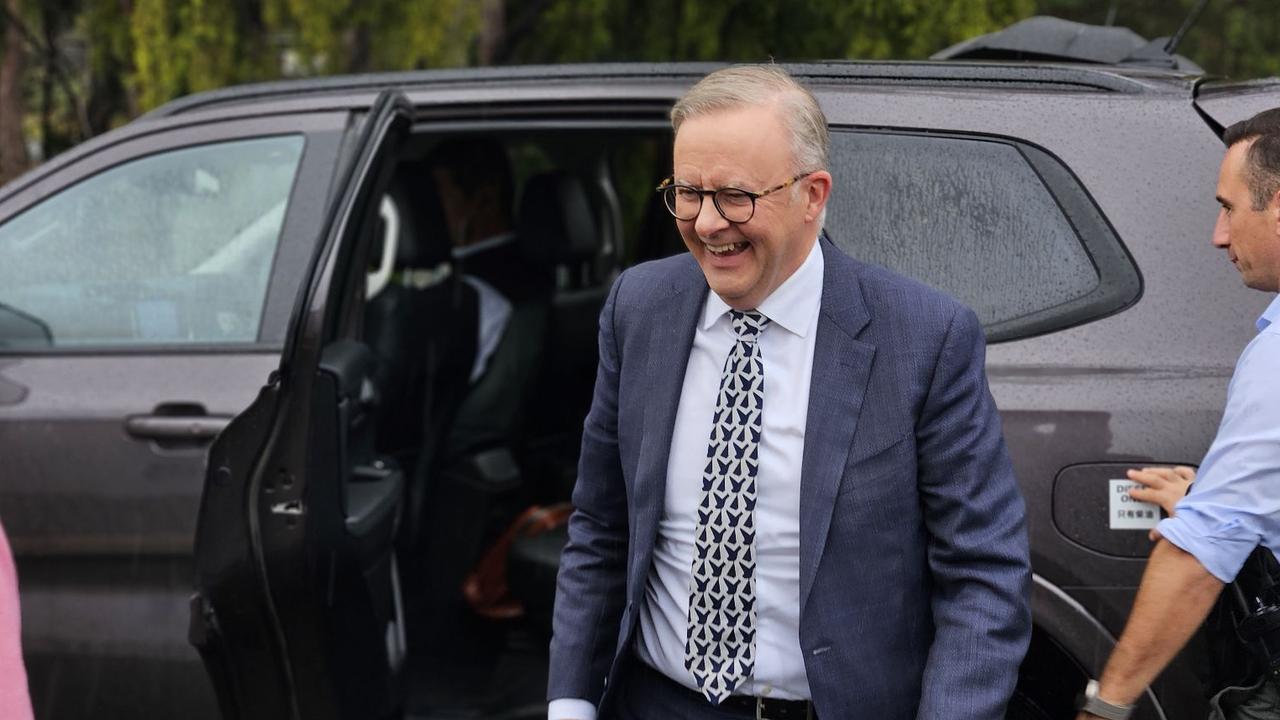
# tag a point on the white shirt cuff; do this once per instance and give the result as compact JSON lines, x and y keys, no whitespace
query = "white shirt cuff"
{"x":570,"y":709}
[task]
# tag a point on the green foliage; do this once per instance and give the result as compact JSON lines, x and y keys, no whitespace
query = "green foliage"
{"x":917,"y":28}
{"x":333,"y":36}
{"x":177,"y":47}
{"x":183,"y":46}
{"x":741,"y":30}
{"x":416,"y":34}
{"x":158,"y":66}
{"x":141,"y":53}
{"x":105,"y":28}
{"x":317,"y":26}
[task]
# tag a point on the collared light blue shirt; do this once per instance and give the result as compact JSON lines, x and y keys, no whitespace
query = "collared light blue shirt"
{"x":1234,"y":504}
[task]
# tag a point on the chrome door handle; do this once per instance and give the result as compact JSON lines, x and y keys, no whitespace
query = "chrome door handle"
{"x":176,"y":427}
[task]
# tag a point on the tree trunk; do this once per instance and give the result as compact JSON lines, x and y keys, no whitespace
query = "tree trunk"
{"x":13,"y":144}
{"x":48,"y":23}
{"x":492,"y":31}
{"x":515,"y":32}
{"x":359,"y":49}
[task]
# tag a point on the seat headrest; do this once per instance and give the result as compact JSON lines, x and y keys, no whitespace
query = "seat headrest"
{"x":556,"y":225}
{"x":424,"y":235}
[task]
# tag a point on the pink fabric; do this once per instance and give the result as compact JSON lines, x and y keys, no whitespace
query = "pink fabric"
{"x":15,"y":703}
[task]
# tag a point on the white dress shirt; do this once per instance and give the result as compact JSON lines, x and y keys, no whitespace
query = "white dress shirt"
{"x":495,"y":313}
{"x":786,"y":347}
{"x":494,"y":308}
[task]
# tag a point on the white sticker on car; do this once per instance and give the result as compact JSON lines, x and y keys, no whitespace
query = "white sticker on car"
{"x":1127,"y":513}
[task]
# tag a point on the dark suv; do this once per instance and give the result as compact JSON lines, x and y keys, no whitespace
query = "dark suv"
{"x":265,"y":269}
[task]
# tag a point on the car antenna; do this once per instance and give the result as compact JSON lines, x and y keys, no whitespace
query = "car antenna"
{"x":1186,"y":25}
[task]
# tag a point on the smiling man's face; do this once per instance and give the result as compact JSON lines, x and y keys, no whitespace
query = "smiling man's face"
{"x":1250,"y":237}
{"x":750,"y":149}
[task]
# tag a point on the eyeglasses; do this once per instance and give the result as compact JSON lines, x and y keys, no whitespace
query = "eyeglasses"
{"x":734,"y":204}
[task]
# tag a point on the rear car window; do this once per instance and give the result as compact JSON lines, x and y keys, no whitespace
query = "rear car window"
{"x":1000,"y":225}
{"x":171,"y":249}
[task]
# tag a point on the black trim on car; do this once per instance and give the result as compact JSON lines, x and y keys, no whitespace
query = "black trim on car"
{"x":1120,"y":281}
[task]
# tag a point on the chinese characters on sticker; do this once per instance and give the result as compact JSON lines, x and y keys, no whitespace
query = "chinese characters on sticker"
{"x":1124,"y":512}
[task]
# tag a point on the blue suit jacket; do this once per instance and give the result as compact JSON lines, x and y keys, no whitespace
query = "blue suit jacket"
{"x":914,"y":568}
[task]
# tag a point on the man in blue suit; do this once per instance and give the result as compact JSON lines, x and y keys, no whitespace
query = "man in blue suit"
{"x":794,"y":498}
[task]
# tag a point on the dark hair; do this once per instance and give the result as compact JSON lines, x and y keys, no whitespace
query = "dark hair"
{"x":1262,"y":162}
{"x":474,"y":163}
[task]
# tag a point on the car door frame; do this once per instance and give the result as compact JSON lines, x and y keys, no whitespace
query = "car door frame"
{"x":267,"y":657}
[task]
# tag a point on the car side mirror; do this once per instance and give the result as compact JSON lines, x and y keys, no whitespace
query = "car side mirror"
{"x":20,"y":330}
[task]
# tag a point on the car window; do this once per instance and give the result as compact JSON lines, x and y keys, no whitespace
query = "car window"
{"x":173,"y":248}
{"x":1002,"y":227}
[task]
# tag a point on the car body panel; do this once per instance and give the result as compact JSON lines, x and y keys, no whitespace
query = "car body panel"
{"x":1143,"y":385}
{"x":99,"y":493}
{"x":101,"y":525}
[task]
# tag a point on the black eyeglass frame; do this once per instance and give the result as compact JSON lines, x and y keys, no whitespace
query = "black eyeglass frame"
{"x":668,"y":197}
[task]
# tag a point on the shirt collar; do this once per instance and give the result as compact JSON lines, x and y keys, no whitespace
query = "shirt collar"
{"x":479,"y":246}
{"x":1270,"y":315}
{"x":792,"y":305}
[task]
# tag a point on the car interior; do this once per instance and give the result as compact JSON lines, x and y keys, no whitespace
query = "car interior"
{"x":490,"y":458}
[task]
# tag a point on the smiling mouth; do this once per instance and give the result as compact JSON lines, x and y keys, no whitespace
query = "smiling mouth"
{"x":726,"y":250}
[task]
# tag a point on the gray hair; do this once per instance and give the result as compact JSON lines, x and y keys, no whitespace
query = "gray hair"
{"x":763,"y":85}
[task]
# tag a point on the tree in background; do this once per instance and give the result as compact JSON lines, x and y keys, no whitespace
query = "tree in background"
{"x":13,"y":144}
{"x":102,"y":30}
{"x":545,"y":31}
{"x":70,"y":69}
{"x":351,"y":36}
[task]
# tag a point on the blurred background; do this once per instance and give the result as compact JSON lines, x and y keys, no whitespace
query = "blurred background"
{"x":71,"y":69}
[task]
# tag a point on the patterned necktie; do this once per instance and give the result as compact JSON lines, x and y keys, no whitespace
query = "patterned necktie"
{"x":720,"y":646}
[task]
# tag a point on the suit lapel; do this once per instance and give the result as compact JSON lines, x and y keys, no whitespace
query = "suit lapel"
{"x":672,"y":327}
{"x":841,"y":368}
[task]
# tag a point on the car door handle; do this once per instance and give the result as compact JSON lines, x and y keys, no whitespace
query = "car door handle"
{"x":176,"y":427}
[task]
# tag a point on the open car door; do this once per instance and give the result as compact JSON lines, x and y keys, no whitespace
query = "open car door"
{"x":297,"y":609}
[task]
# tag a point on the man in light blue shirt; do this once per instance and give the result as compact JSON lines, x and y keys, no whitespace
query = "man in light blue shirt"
{"x":1235,"y":504}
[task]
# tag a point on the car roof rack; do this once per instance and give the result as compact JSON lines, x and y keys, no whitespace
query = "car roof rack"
{"x":1044,"y":38}
{"x":917,"y":73}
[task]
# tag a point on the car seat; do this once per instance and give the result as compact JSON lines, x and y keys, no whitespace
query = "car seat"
{"x":558,"y":213}
{"x":554,"y":226}
{"x":422,"y":328}
{"x":488,"y":478}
